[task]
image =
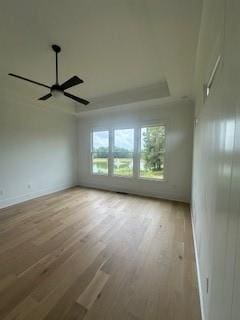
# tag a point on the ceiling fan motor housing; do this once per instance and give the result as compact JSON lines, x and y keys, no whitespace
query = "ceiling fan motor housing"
{"x":56,"y":91}
{"x":56,"y":48}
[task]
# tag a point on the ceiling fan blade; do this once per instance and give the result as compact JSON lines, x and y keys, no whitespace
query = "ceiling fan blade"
{"x":47,"y":96}
{"x":71,"y":82}
{"x":35,"y":82}
{"x":83,"y":101}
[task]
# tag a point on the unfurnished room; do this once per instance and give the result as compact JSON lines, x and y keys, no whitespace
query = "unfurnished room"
{"x":120,"y":160}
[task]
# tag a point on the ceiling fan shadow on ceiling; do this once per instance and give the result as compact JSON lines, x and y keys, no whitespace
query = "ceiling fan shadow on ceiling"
{"x":56,"y":89}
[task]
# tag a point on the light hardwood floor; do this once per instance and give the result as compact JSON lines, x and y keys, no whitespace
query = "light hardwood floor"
{"x":96,"y":255}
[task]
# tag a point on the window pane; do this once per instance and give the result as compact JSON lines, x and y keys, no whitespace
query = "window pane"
{"x":147,"y":171}
{"x":122,"y":152}
{"x":123,"y":141}
{"x":123,"y":167}
{"x":152,"y":152}
{"x":99,"y":164}
{"x":100,"y":148}
{"x":100,"y":142}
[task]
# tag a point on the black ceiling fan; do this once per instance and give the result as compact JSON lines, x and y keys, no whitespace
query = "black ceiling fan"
{"x":57,"y":89}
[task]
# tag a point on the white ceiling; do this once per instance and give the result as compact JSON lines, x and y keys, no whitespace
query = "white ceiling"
{"x":114,"y":45}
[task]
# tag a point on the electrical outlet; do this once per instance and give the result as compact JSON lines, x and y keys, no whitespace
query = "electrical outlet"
{"x":1,"y":192}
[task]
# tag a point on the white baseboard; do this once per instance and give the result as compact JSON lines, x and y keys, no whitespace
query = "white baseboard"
{"x":165,"y":196}
{"x":198,"y":270}
{"x":25,"y":197}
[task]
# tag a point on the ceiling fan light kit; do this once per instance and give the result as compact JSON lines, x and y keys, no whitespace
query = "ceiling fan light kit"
{"x":57,"y":90}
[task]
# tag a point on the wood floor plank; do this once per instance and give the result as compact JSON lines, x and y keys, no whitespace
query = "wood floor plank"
{"x":22,"y":309}
{"x":68,"y":271}
{"x":66,"y":305}
{"x":85,"y":254}
{"x":93,"y":290}
{"x":7,"y":281}
{"x":76,"y":312}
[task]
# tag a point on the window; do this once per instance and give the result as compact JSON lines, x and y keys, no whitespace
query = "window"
{"x":114,"y":153}
{"x":100,"y":152}
{"x":123,"y":148}
{"x":152,"y":145}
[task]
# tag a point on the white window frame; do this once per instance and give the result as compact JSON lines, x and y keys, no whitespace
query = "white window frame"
{"x":136,"y":150}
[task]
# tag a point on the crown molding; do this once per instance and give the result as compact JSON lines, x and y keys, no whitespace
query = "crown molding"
{"x":140,"y":105}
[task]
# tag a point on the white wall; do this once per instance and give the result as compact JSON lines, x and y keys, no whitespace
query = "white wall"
{"x":37,"y":151}
{"x":216,"y":178}
{"x":178,"y":118}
